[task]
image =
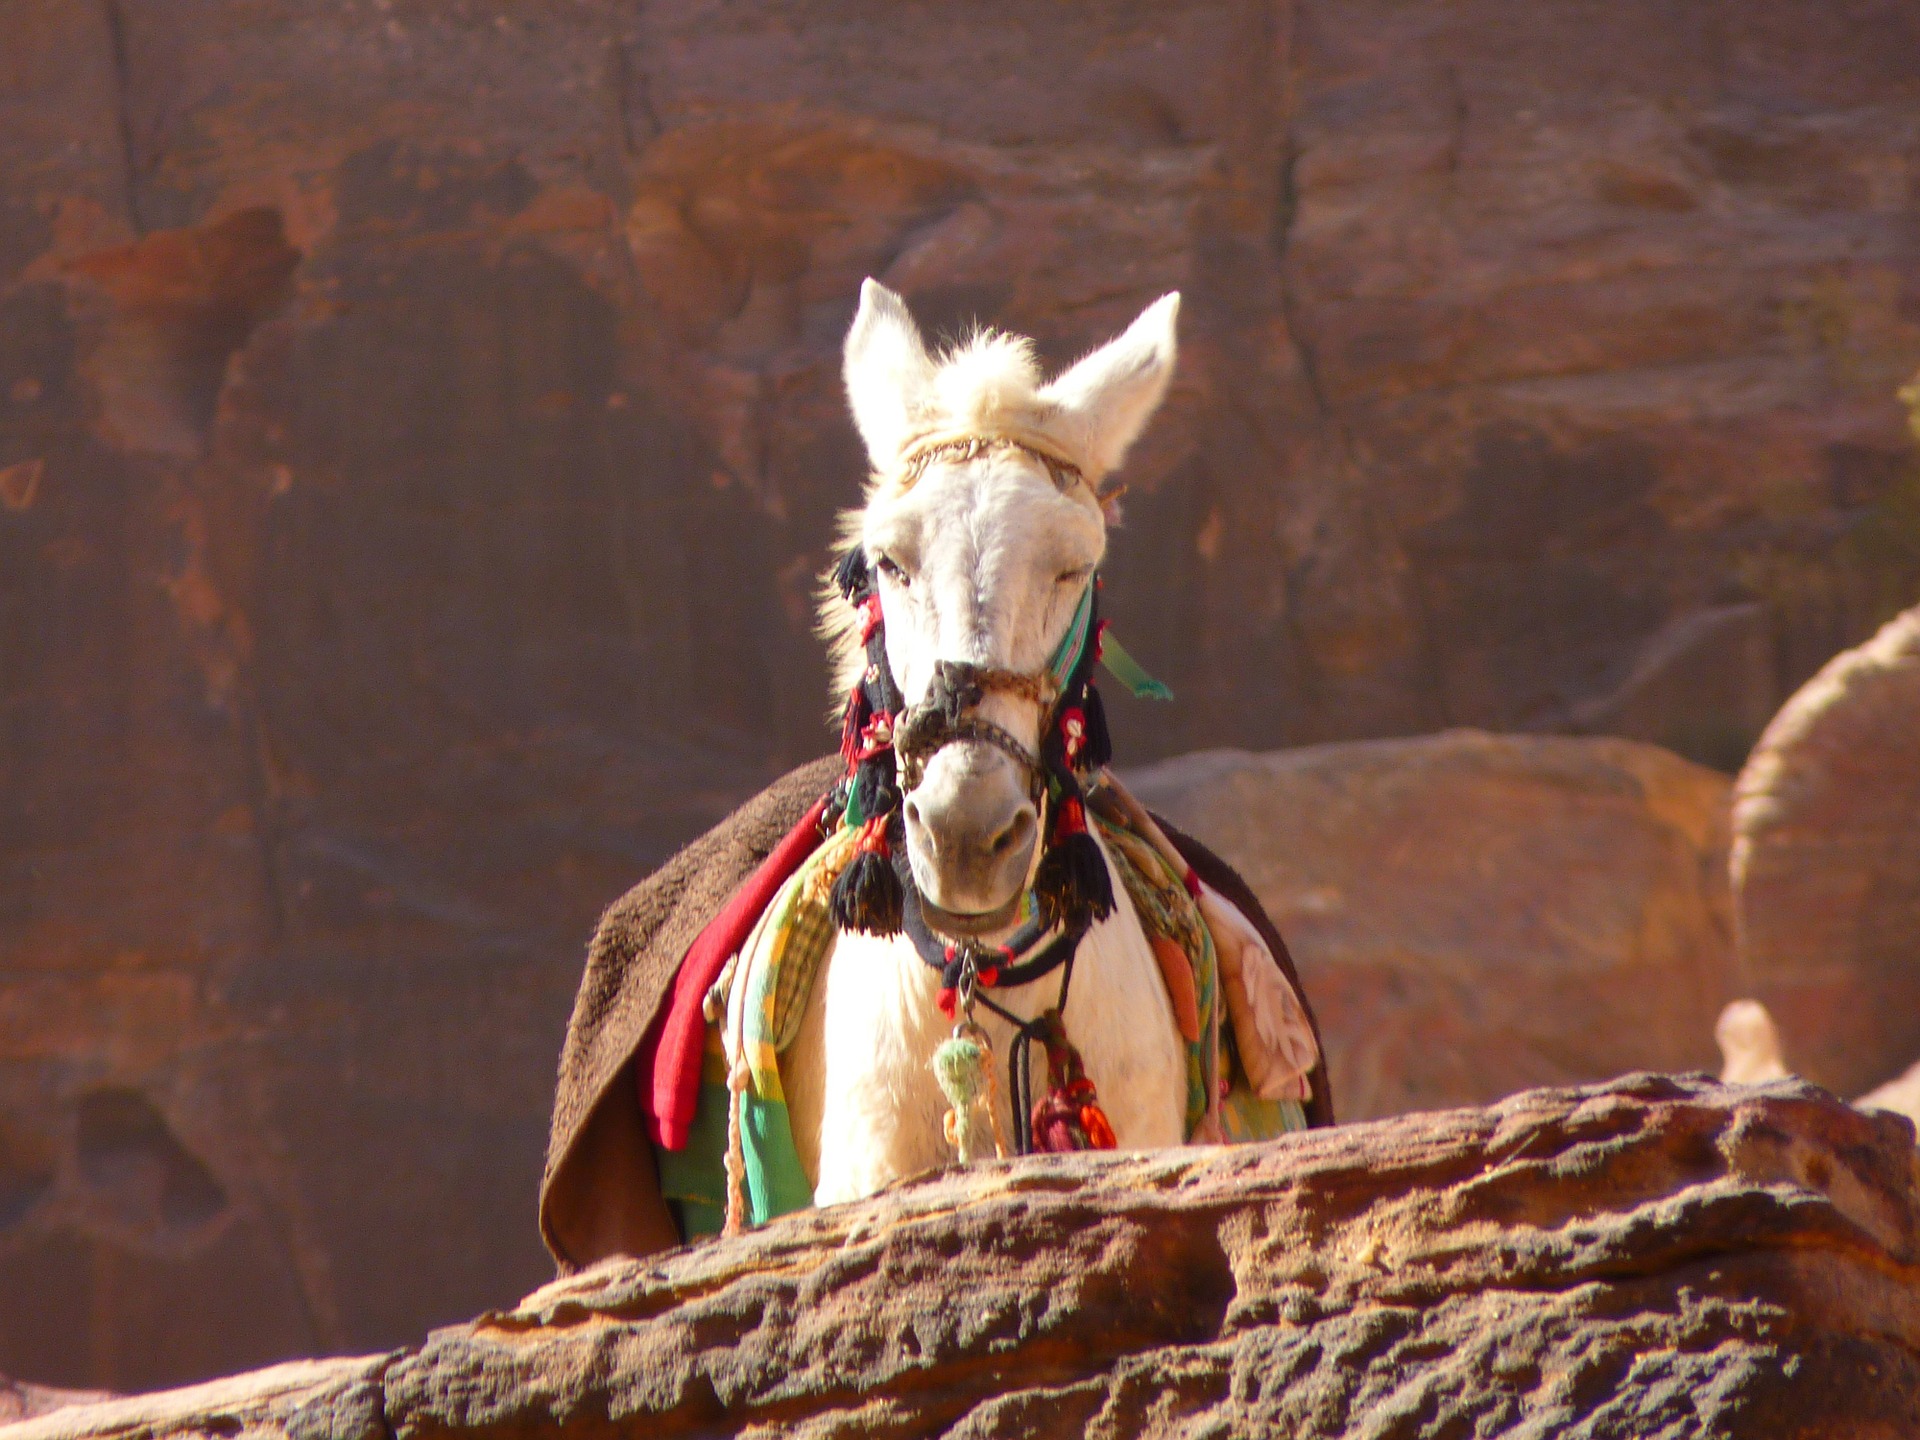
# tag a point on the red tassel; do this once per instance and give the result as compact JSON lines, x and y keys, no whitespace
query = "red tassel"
{"x":1056,"y":1126}
{"x":1068,"y":1117}
{"x":947,"y":1000}
{"x":1100,"y":1136}
{"x":876,"y":736}
{"x":850,"y":724}
{"x":1073,"y":818}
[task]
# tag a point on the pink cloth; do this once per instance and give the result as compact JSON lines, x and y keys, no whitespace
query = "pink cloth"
{"x":668,"y":1068}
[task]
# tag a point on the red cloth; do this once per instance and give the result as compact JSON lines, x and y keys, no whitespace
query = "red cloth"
{"x":668,"y":1069}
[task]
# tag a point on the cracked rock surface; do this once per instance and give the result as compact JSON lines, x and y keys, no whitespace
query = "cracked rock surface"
{"x":1659,"y":1256}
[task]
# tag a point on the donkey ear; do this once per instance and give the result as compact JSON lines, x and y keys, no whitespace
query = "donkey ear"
{"x":887,"y":370}
{"x":1106,"y":400}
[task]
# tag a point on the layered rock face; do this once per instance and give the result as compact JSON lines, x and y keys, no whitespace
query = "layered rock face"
{"x":419,"y":426}
{"x":1650,"y":1257}
{"x":1474,"y":914}
{"x":1826,"y":866}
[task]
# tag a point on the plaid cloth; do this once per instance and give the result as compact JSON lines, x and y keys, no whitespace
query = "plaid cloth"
{"x":754,"y":1011}
{"x":1165,"y":909}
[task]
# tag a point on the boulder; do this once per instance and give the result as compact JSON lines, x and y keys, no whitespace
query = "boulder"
{"x":1474,"y":914}
{"x":1749,"y":1044}
{"x":1750,"y":1048}
{"x":1656,"y":1256}
{"x":1901,"y":1095}
{"x":1826,"y":868}
{"x":420,"y":424}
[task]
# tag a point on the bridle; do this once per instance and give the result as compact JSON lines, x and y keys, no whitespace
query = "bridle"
{"x":888,"y":745}
{"x":948,"y":714}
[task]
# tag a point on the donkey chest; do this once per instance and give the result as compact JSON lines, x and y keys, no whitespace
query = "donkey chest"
{"x":865,"y":1106}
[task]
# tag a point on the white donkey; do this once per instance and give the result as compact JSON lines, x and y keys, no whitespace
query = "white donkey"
{"x":984,"y":525}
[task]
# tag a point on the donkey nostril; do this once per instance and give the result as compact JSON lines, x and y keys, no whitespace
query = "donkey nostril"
{"x":914,"y":819}
{"x":1018,"y":829}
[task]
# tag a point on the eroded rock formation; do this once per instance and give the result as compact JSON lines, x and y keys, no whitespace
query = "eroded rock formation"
{"x":1652,"y":1257}
{"x":1826,"y":865}
{"x":419,"y":426}
{"x":1475,"y":914}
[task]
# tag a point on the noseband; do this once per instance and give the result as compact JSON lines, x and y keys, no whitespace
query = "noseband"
{"x":948,"y":715}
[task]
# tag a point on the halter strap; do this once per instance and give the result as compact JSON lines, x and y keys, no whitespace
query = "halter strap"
{"x":943,"y":715}
{"x":1066,"y":655}
{"x":971,"y":444}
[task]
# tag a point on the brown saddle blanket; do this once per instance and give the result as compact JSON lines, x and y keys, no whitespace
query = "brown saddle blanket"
{"x":600,"y":1195}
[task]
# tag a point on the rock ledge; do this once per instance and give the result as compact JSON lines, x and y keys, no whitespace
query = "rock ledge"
{"x":1655,"y":1256}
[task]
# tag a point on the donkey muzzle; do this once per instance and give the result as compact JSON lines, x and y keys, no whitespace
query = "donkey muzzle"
{"x":972,"y":827}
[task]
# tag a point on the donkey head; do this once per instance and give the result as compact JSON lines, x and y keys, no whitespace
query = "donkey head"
{"x":984,"y":525}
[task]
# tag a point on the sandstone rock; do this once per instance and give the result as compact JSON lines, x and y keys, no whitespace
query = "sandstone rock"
{"x":1750,"y":1048}
{"x":1826,"y":871}
{"x":1653,"y":1257}
{"x":1474,"y":914}
{"x":1749,"y":1044}
{"x":23,"y":1402}
{"x":300,"y":1398}
{"x":1900,"y":1095}
{"x":419,"y":425}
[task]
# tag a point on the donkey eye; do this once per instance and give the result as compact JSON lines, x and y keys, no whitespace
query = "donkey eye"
{"x":1074,"y":577}
{"x":891,"y":569}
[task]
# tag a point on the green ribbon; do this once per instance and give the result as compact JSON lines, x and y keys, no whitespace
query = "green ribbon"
{"x":1066,"y":654}
{"x":1113,"y":656}
{"x":1127,"y":670}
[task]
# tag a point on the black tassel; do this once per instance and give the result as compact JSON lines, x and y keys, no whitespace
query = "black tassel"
{"x":850,"y":573}
{"x":868,"y":896}
{"x":873,"y":784}
{"x":1099,"y":749}
{"x":1072,"y":882}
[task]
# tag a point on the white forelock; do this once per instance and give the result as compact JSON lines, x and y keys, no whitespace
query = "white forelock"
{"x":987,"y":384}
